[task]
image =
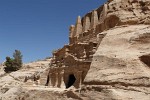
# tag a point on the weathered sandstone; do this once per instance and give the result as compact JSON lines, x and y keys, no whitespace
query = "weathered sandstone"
{"x":107,"y":58}
{"x":109,"y":49}
{"x":119,"y":19}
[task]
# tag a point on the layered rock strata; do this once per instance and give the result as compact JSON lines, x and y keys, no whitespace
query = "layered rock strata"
{"x":118,"y":32}
{"x":107,"y":58}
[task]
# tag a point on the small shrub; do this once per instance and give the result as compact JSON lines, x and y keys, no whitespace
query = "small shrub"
{"x":13,"y":64}
{"x":9,"y":65}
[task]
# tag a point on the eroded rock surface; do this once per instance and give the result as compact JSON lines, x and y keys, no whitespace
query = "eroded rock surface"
{"x":12,"y":85}
{"x":122,"y":61}
{"x":118,"y":34}
{"x":107,"y":58}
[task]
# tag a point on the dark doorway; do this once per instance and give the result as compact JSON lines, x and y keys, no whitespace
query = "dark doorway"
{"x":47,"y":81}
{"x":71,"y":80}
{"x":146,"y":59}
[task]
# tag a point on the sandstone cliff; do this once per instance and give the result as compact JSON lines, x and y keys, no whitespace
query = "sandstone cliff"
{"x":13,"y":85}
{"x":118,"y":34}
{"x":122,"y":63}
{"x":107,"y":58}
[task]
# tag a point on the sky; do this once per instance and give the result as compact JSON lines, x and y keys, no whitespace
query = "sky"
{"x":37,"y":27}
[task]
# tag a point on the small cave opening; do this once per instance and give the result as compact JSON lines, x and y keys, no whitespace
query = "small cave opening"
{"x":47,"y":82}
{"x":71,"y":80}
{"x":112,"y":21}
{"x":146,"y":59}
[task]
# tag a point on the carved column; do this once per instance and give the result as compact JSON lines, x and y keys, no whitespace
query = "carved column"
{"x":103,"y":14}
{"x":84,"y":56}
{"x":71,"y":30}
{"x":56,"y":82}
{"x":78,"y":27}
{"x":78,"y":79}
{"x":71,"y":36}
{"x":62,"y":80}
{"x":105,"y":9}
{"x":86,"y":23}
{"x":50,"y":82}
{"x":66,"y":52}
{"x":59,"y":80}
{"x":94,"y":19}
{"x":53,"y":79}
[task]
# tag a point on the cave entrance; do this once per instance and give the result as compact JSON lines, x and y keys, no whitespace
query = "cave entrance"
{"x":145,"y":59}
{"x":47,"y":82}
{"x":71,"y":80}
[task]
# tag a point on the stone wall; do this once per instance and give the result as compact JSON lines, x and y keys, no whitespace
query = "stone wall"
{"x":111,"y":14}
{"x":71,"y":63}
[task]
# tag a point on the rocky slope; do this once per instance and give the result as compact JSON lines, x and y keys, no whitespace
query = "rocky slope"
{"x":119,"y":69}
{"x":12,"y":85}
{"x":107,"y":58}
{"x":122,"y":63}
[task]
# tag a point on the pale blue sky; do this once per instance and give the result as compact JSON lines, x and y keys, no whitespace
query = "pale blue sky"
{"x":37,"y":27}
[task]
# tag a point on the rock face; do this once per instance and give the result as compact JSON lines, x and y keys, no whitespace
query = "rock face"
{"x":122,"y":56}
{"x":108,"y":52}
{"x":13,"y":85}
{"x":72,"y":62}
{"x":107,"y":58}
{"x":122,"y":61}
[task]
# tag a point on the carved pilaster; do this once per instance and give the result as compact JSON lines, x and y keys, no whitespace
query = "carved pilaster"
{"x":84,"y":52}
{"x":71,"y":34}
{"x":67,"y":52}
{"x":62,"y":80}
{"x":50,"y":82}
{"x":78,"y":79}
{"x":71,"y":30}
{"x":53,"y":79}
{"x":78,"y":27}
{"x":56,"y":82}
{"x":59,"y":80}
{"x":86,"y":23}
{"x":94,"y":19}
{"x":103,"y":14}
